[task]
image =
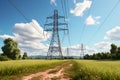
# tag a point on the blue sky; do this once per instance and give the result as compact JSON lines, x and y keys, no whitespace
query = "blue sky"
{"x":95,"y":23}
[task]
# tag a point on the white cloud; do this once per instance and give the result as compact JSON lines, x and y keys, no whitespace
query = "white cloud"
{"x":90,"y":50}
{"x":92,"y":20}
{"x":75,"y":50}
{"x":102,"y":46}
{"x":74,"y":1}
{"x":53,"y":2}
{"x":5,"y":36}
{"x":113,"y":34}
{"x":30,"y":37}
{"x":81,"y":7}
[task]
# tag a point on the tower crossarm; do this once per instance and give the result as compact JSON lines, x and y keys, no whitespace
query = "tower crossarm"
{"x":48,"y":29}
{"x":61,"y":17}
{"x":49,"y":24}
{"x":55,"y":26}
{"x":50,"y":17}
{"x":62,"y":24}
{"x":62,"y":29}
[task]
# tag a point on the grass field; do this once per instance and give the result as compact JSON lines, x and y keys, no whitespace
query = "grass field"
{"x":10,"y":70}
{"x":95,"y":70}
{"x":81,"y":69}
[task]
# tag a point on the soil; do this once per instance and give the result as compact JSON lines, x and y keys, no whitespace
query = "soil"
{"x":56,"y":73}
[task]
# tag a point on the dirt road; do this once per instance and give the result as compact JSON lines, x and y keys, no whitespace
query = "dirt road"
{"x":56,"y":73}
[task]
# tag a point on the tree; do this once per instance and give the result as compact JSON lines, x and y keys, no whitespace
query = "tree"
{"x":113,"y":49}
{"x":118,"y":50}
{"x":10,"y":49}
{"x":25,"y":56}
{"x":3,"y":58}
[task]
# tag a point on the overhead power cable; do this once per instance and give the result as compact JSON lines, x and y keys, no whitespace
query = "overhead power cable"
{"x":62,"y":7}
{"x":65,"y":9}
{"x":84,"y":26}
{"x":27,"y":20}
{"x":106,"y":18}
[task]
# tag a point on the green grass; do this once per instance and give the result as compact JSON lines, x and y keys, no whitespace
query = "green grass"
{"x":95,"y":70}
{"x":81,"y":69}
{"x":9,"y":70}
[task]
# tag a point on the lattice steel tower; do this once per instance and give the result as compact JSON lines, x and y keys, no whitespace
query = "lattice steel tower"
{"x":82,"y":51}
{"x":55,"y":50}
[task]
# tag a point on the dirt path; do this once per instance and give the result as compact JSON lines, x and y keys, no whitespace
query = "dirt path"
{"x":56,"y":73}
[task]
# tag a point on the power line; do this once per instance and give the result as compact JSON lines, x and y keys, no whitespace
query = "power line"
{"x":66,"y":4}
{"x":27,"y":20}
{"x":67,"y":15}
{"x":105,"y":20}
{"x":84,"y":26}
{"x":18,"y":10}
{"x":65,"y":9}
{"x":62,"y":7}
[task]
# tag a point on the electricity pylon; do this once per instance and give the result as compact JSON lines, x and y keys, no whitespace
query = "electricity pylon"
{"x":55,"y":50}
{"x":68,"y":53}
{"x":82,"y":51}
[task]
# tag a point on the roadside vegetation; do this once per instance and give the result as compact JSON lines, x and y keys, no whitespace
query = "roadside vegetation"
{"x":11,"y":51}
{"x":9,"y":70}
{"x":113,"y":54}
{"x":95,"y":70}
{"x":12,"y":66}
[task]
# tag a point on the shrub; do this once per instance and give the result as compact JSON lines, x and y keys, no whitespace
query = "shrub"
{"x":4,"y":58}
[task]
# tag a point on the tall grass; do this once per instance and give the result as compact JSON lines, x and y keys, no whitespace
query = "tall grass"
{"x":23,"y":67}
{"x":95,"y":70}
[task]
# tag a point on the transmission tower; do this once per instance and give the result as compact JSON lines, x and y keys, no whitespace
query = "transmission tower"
{"x":82,"y":49}
{"x":67,"y":52}
{"x":55,"y":50}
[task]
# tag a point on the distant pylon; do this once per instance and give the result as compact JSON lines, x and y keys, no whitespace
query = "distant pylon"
{"x":55,"y":50}
{"x":82,"y":51}
{"x":68,"y":53}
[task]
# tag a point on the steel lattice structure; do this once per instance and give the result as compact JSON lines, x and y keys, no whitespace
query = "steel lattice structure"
{"x":82,"y":51}
{"x":55,"y":50}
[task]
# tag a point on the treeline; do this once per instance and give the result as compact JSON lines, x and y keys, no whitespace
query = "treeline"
{"x":113,"y":54}
{"x":11,"y":51}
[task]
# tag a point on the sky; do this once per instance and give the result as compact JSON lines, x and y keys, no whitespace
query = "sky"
{"x":93,"y":23}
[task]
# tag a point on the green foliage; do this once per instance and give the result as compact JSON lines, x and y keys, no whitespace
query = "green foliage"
{"x":113,"y":49}
{"x":10,"y":49}
{"x":24,"y":67}
{"x":114,"y":54}
{"x":4,"y":58}
{"x":74,"y":71}
{"x":99,"y":56}
{"x":95,"y":70}
{"x":25,"y":56}
{"x":118,"y":50}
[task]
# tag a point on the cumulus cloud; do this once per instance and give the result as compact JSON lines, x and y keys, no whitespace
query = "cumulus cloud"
{"x":92,"y":20}
{"x":113,"y":34}
{"x":53,"y":2}
{"x":30,"y":37}
{"x":5,"y":36}
{"x":81,"y":7}
{"x":90,"y":50}
{"x":75,"y":50}
{"x":103,"y":46}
